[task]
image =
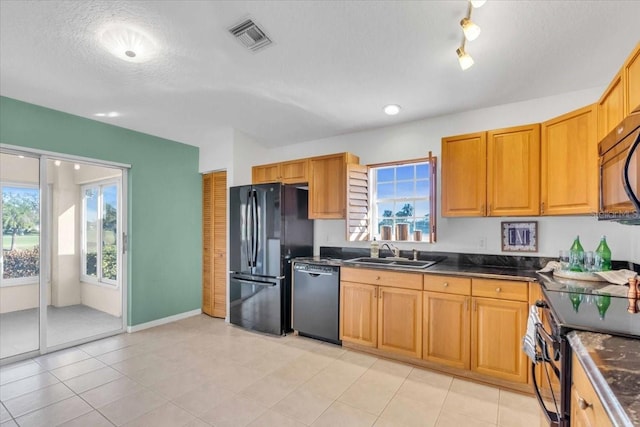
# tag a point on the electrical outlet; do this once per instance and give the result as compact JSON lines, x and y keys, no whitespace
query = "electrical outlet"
{"x":482,"y":242}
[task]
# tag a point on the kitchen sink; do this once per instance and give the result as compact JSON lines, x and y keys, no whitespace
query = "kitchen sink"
{"x":391,"y":262}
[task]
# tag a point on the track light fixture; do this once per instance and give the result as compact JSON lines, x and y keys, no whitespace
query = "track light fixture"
{"x":470,"y":31}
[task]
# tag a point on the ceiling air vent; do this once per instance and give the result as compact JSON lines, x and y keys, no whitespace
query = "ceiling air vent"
{"x":250,"y":35}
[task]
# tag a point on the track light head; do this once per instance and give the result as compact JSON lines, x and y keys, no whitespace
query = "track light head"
{"x":465,"y":60}
{"x":470,"y":29}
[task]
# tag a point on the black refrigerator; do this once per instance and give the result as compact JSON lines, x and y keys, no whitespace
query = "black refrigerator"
{"x":268,"y":226}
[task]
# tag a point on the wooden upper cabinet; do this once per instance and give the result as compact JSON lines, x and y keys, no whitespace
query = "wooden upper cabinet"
{"x":611,"y":106}
{"x":513,"y":171}
{"x":290,"y":172}
{"x":328,"y":185}
{"x":464,"y":175}
{"x":569,"y":164}
{"x":631,"y":74}
{"x":264,"y":174}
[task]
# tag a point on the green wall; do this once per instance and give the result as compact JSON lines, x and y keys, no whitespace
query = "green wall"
{"x":165,"y":207}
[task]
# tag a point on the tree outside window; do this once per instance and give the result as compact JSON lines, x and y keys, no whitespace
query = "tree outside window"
{"x":20,"y":231}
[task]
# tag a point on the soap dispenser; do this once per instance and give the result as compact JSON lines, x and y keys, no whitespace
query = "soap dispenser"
{"x":375,"y":248}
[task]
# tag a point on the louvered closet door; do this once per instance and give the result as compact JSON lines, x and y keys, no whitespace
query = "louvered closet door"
{"x":214,"y":244}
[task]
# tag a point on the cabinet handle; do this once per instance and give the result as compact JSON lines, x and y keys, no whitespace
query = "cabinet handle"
{"x":482,"y":209}
{"x":466,"y":304}
{"x":445,"y":284}
{"x":498,"y":290}
{"x":375,"y":292}
{"x":542,"y":207}
{"x":378,"y":278}
{"x":475,"y":305}
{"x":583,"y":404}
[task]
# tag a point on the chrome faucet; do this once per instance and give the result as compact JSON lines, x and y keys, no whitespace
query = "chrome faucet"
{"x":395,"y":251}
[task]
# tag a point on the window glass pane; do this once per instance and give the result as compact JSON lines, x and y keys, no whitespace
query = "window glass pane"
{"x":422,"y":171}
{"x":423,"y":225}
{"x":91,"y":230}
{"x":385,"y":175}
{"x":405,"y":172}
{"x":422,"y":188}
{"x":20,"y":232}
{"x":109,"y":232}
{"x":404,"y":210}
{"x":422,"y":208}
{"x":405,"y":189}
{"x":385,"y":191}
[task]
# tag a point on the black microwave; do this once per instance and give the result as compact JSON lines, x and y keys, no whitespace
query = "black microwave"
{"x":619,"y":155}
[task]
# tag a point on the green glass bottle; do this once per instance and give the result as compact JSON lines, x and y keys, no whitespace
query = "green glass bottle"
{"x":576,"y":256}
{"x":603,"y":255}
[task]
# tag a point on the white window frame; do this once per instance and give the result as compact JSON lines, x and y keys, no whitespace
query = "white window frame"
{"x":429,"y":236}
{"x":99,"y":279}
{"x":19,"y":281}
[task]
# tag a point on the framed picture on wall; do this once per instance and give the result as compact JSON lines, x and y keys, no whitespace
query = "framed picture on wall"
{"x":520,"y":236}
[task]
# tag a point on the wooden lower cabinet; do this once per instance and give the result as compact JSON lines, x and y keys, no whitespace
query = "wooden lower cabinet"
{"x":382,"y":317}
{"x":445,"y":329}
{"x":359,"y":313}
{"x":400,"y":321}
{"x":586,"y":408}
{"x":497,"y":327}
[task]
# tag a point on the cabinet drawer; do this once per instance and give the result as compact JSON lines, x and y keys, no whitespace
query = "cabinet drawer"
{"x":447,"y":284}
{"x":501,"y":289}
{"x":584,"y":400}
{"x":382,"y":277}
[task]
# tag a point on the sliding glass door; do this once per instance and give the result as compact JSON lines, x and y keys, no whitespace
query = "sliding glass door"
{"x":63,"y":268}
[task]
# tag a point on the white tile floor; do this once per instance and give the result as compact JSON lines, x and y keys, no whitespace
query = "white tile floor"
{"x":203,"y":372}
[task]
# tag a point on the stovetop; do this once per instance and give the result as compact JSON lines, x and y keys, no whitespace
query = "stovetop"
{"x":594,"y":312}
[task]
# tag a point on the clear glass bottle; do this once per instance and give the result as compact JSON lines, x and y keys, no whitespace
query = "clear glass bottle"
{"x":603,"y":255}
{"x":576,"y":256}
{"x":375,"y":248}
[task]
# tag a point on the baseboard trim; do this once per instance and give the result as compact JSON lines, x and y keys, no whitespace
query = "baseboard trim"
{"x":164,"y":320}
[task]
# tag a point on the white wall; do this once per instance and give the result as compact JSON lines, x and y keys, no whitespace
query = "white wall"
{"x":415,"y":139}
{"x":218,"y":154}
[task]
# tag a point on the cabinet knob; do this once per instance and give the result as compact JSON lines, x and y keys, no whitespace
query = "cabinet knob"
{"x":378,"y":278}
{"x":445,"y":284}
{"x":498,"y":289}
{"x":583,"y":404}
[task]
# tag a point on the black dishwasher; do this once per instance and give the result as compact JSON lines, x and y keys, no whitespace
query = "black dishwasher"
{"x":316,"y":301}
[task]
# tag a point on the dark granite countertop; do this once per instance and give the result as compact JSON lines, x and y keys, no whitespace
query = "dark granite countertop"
{"x":611,"y":364}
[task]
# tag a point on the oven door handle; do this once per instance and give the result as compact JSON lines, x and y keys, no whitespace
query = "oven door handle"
{"x":544,"y":338}
{"x":552,"y":417}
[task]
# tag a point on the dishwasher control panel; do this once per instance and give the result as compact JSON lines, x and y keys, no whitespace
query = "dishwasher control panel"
{"x":315,"y":268}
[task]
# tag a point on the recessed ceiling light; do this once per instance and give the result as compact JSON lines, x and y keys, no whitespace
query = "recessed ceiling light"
{"x":76,"y":166}
{"x":128,"y":43}
{"x":391,"y":109}
{"x":57,"y":163}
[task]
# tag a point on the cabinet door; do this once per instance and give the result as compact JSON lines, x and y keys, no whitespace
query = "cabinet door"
{"x":464,"y":175}
{"x":294,"y":171}
{"x":513,"y":171}
{"x":497,"y":328}
{"x":631,"y":72}
{"x":611,"y":107}
{"x":569,"y":181}
{"x":578,"y":416}
{"x":214,"y":244}
{"x":586,"y":407}
{"x":265,"y":173}
{"x":400,"y":321}
{"x":327,"y":187}
{"x":445,"y":329}
{"x":359,"y":313}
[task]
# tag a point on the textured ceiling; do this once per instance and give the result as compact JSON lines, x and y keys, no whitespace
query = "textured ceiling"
{"x":331,"y":69}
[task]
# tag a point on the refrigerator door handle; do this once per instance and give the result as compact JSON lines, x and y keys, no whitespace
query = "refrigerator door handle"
{"x":247,"y":230}
{"x":267,"y":284}
{"x":256,"y":227}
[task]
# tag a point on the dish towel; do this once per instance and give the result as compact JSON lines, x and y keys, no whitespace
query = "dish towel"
{"x":529,"y":339}
{"x":619,"y":277}
{"x":551,"y":266}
